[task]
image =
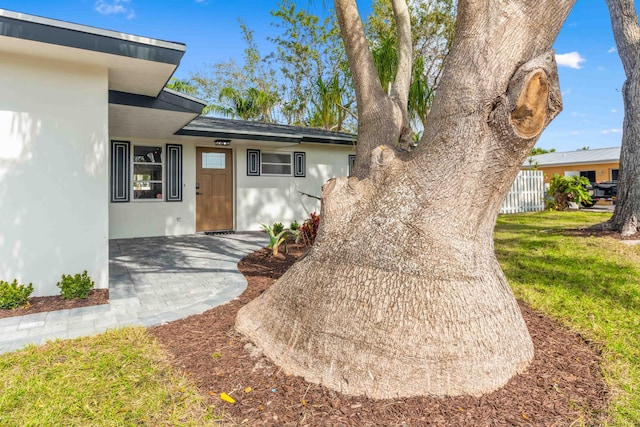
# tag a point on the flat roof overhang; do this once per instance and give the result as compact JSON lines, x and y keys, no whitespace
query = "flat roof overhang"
{"x":135,"y":64}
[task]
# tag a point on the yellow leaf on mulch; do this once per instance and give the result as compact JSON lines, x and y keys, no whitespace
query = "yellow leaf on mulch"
{"x":227,"y":398}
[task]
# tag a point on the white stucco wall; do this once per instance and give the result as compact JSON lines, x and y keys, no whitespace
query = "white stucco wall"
{"x":269,"y":199}
{"x":257,"y":199}
{"x":146,"y":218}
{"x":53,"y":172}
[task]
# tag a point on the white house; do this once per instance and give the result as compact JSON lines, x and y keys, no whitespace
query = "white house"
{"x":93,"y":147}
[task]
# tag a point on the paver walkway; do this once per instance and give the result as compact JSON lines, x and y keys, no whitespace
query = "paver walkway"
{"x":151,"y":281}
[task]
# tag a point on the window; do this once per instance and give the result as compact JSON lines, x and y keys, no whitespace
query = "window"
{"x":352,"y":163}
{"x":213,"y":160}
{"x":138,"y":172}
{"x":276,"y":164}
{"x":614,"y":174}
{"x":591,"y":175}
{"x":286,"y":164}
{"x":147,"y":172}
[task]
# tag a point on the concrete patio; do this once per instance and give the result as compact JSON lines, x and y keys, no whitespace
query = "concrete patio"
{"x":151,"y":281}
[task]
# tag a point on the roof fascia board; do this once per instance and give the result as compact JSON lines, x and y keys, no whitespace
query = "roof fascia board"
{"x":328,"y":140}
{"x":239,"y":135}
{"x":166,"y":100}
{"x":587,"y":162}
{"x":45,"y":30}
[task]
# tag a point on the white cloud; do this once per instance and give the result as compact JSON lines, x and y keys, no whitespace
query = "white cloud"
{"x":600,"y":68}
{"x":613,"y":110}
{"x":612,"y":49}
{"x":575,"y":132}
{"x":571,"y":60}
{"x":115,"y":7}
{"x":606,"y":131}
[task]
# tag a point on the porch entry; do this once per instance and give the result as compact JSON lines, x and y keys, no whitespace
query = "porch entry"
{"x":214,"y":189}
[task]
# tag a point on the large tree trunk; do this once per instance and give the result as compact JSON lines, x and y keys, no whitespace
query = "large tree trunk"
{"x":624,"y":20}
{"x":401,"y":294}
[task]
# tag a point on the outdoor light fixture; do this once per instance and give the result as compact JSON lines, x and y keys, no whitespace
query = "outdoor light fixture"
{"x":222,"y":142}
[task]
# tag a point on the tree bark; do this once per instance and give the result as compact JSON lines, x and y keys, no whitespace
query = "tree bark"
{"x":401,"y":294}
{"x":624,"y":21}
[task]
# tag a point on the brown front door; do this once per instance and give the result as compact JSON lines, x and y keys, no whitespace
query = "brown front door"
{"x":214,"y":189}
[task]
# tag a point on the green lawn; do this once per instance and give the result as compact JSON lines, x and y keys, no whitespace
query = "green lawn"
{"x":590,"y":284}
{"x":119,"y":378}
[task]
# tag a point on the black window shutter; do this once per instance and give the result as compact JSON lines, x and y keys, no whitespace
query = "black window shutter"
{"x":352,"y":163}
{"x":253,"y":162}
{"x":174,"y":173}
{"x":120,"y":171}
{"x":299,"y":164}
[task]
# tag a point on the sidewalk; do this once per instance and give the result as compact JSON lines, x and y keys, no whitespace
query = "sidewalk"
{"x":151,"y":281}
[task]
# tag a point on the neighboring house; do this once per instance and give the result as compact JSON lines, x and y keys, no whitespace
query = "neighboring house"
{"x":93,"y":147}
{"x":598,"y":165}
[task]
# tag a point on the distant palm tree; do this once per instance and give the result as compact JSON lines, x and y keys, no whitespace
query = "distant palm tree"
{"x":249,"y":104}
{"x":329,"y":112}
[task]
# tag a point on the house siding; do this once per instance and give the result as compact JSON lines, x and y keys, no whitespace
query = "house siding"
{"x":603,"y":170}
{"x":257,"y":199}
{"x":268,"y":199}
{"x":53,"y":171}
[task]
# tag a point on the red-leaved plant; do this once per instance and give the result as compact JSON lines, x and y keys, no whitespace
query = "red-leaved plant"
{"x":309,"y":229}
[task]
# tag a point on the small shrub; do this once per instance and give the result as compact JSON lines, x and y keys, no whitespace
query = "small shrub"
{"x":77,"y":286}
{"x":294,"y":226}
{"x":277,"y":228}
{"x":14,"y":295}
{"x":565,"y":189}
{"x":276,"y":239}
{"x":309,"y":229}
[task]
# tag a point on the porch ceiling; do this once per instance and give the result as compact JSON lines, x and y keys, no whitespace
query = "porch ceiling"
{"x":136,"y":122}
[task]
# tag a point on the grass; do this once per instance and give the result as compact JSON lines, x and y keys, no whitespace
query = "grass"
{"x":119,"y":378}
{"x":590,"y":284}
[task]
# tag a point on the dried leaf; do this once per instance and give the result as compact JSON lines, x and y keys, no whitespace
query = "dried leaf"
{"x":227,"y":398}
{"x":247,"y":390}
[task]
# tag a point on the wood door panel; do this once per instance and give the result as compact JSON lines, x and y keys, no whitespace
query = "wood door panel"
{"x":214,"y":197}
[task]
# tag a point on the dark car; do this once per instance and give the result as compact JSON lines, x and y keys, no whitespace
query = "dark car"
{"x":606,"y":190}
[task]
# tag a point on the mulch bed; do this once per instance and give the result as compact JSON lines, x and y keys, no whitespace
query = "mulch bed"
{"x":56,"y":302}
{"x":563,"y":384}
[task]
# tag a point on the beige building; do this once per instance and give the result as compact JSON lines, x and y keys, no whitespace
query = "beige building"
{"x":598,"y":165}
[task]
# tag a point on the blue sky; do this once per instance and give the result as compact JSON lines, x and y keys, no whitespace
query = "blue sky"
{"x":591,"y":74}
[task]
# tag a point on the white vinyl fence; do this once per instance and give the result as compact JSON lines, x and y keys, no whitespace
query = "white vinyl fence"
{"x":526,"y":193}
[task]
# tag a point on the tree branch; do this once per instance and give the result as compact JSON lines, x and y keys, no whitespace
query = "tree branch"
{"x":403,"y":76}
{"x":363,"y":70}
